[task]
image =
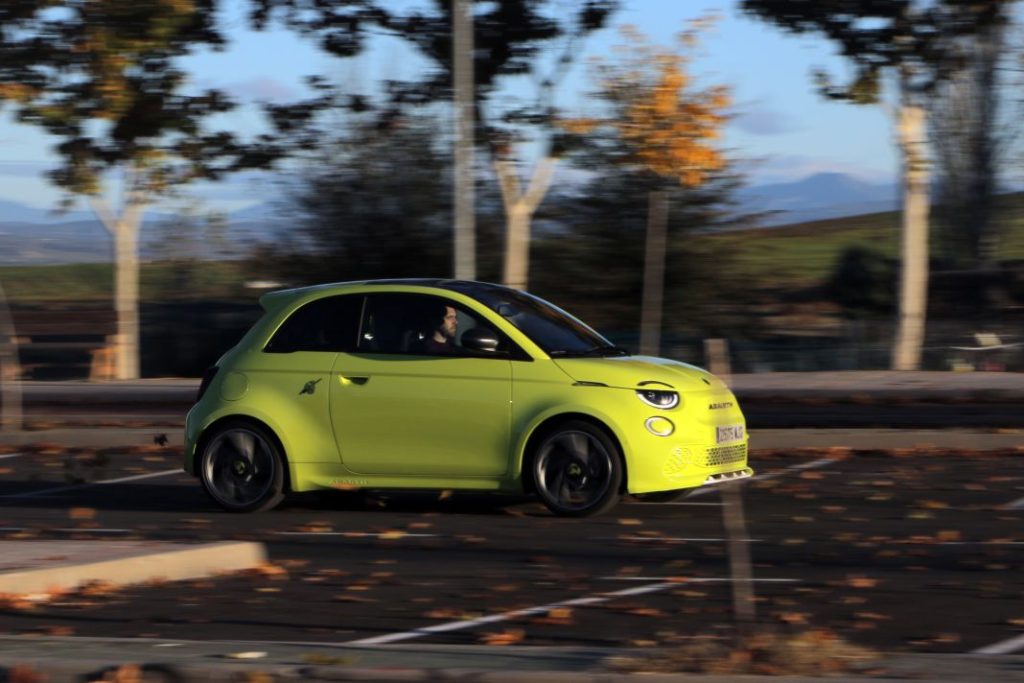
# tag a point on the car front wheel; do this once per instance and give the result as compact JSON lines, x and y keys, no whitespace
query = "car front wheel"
{"x":577,"y":470}
{"x":242,"y":468}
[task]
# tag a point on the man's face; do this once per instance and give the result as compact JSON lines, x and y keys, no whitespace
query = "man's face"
{"x":450,"y":323}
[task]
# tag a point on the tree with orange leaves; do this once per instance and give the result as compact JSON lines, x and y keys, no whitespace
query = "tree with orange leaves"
{"x":665,"y":128}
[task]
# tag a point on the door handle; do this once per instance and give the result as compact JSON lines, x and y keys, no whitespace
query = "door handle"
{"x":354,"y":379}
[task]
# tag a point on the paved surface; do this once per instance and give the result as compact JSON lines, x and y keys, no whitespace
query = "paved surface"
{"x":917,"y":553}
{"x":916,"y":556}
{"x":66,"y":659}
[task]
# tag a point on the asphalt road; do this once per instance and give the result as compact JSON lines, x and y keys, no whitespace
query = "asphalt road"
{"x":918,"y":553}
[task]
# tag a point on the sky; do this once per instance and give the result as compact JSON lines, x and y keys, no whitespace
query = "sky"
{"x":781,"y":129}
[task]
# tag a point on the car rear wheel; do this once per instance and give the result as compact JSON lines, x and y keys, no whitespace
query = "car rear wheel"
{"x":242,"y":468}
{"x":577,"y":470}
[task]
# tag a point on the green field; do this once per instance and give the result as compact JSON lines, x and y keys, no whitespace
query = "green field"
{"x":792,"y":256}
{"x":94,"y":282}
{"x":804,"y":254}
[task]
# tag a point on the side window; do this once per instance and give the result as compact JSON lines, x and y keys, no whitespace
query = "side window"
{"x":330,"y":324}
{"x":420,"y":325}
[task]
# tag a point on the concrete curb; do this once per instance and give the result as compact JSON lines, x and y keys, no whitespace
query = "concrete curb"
{"x":32,"y":567}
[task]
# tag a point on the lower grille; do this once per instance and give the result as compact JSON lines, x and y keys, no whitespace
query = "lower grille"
{"x":726,"y":455}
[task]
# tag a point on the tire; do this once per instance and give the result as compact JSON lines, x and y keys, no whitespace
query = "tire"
{"x":242,"y":467}
{"x":577,"y":469}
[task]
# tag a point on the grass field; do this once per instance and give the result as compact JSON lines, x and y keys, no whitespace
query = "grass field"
{"x":804,"y":254}
{"x":94,"y":282}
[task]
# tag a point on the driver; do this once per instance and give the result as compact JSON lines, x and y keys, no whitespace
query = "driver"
{"x":441,"y":339}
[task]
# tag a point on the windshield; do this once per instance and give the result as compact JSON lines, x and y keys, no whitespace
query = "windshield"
{"x":551,"y":328}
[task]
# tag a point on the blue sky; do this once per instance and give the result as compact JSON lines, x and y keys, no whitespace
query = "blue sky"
{"x":782,"y":129}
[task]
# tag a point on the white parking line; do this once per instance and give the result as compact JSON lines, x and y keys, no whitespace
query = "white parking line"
{"x":75,"y":487}
{"x":813,"y":465}
{"x":680,"y":540}
{"x":1015,"y":505}
{"x":683,"y":580}
{"x":11,"y":455}
{"x":506,"y":616}
{"x":1003,"y":648}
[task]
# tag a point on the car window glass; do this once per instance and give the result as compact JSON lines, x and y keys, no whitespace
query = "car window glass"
{"x":548,"y":326}
{"x":329,"y":324}
{"x":419,"y":325}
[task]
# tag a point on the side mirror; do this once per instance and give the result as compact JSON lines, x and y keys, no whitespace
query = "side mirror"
{"x":480,"y":339}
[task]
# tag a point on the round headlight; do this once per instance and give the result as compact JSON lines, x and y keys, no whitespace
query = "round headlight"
{"x":658,"y":398}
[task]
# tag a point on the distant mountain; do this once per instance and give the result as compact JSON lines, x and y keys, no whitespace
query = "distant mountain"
{"x":31,"y":236}
{"x":13,"y":211}
{"x":823,"y":195}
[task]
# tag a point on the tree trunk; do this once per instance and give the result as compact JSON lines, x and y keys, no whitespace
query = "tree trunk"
{"x":913,"y":301}
{"x":519,"y":210}
{"x":10,"y":371}
{"x":465,"y":224}
{"x":654,"y":274}
{"x":517,"y":247}
{"x":124,"y":230}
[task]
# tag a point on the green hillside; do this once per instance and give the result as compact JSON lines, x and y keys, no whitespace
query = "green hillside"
{"x":804,"y":254}
{"x":792,"y":256}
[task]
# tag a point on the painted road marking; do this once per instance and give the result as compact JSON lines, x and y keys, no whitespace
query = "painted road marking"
{"x":75,"y":487}
{"x":506,"y":616}
{"x":1003,"y":648}
{"x":683,"y":580}
{"x":816,"y":464}
{"x":1015,"y":505}
{"x":681,"y":540}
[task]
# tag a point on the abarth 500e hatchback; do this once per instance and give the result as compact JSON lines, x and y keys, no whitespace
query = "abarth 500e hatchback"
{"x":443,"y":384}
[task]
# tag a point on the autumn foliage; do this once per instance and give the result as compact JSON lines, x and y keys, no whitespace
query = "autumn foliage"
{"x":666,"y":124}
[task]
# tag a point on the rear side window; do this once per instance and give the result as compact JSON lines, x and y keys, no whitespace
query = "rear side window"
{"x":330,"y":324}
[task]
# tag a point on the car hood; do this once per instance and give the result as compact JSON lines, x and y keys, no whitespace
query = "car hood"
{"x":634,"y":372}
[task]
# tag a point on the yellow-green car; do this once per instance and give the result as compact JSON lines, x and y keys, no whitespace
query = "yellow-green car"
{"x":443,"y":384}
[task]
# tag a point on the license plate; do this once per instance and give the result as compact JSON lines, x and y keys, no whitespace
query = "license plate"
{"x":729,"y":433}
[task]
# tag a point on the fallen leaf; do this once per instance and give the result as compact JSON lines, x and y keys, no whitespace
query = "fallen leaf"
{"x":792,"y":617}
{"x":559,"y":616}
{"x":861,"y":582}
{"x":507,"y":637}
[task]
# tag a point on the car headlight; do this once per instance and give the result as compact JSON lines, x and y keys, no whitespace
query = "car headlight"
{"x":658,"y":398}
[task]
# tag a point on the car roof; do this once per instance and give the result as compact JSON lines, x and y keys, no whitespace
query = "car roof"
{"x":470,"y":288}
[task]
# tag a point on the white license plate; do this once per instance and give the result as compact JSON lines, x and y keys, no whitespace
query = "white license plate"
{"x":728,"y":433}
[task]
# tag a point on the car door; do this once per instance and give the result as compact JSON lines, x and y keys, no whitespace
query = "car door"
{"x":405,"y":404}
{"x":291,"y":374}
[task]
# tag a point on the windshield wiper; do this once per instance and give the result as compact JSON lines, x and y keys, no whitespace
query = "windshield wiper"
{"x":595,"y":352}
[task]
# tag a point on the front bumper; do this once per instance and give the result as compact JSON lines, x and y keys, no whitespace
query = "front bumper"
{"x":668,"y":467}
